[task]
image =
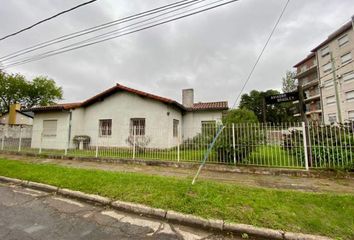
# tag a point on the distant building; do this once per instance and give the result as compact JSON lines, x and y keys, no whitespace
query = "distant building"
{"x":16,"y":117}
{"x":307,"y":76}
{"x":327,"y":75}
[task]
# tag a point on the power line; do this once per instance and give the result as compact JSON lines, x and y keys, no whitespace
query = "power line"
{"x":261,"y":53}
{"x":124,"y":34}
{"x":101,"y":36}
{"x":47,"y":19}
{"x":93,"y":29}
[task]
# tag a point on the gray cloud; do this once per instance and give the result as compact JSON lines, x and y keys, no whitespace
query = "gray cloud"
{"x":212,"y":52}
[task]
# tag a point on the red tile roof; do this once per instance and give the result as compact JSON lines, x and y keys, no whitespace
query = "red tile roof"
{"x":209,"y":106}
{"x":119,"y":87}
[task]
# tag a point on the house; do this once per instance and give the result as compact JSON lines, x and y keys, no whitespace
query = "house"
{"x":120,"y":115}
{"x":16,"y":117}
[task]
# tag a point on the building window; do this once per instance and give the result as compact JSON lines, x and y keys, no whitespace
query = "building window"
{"x":327,"y":67}
{"x":328,"y":83}
{"x":105,"y":127}
{"x":349,"y":96}
{"x":351,"y":115}
{"x":346,"y":58}
{"x":332,"y":117}
{"x":330,"y":100}
{"x":324,"y":51}
{"x":175,"y":127}
{"x":208,"y":128}
{"x":50,"y":128}
{"x":348,"y":76}
{"x":343,"y":40}
{"x":137,"y":126}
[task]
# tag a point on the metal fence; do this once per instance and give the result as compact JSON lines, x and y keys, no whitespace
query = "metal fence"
{"x":286,"y":145}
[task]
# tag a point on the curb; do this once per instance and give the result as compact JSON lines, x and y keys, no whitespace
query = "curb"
{"x":172,"y":216}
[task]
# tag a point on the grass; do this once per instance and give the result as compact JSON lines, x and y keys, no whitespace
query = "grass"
{"x":273,"y":156}
{"x":325,"y":214}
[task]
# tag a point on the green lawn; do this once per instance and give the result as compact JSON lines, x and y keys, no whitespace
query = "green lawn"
{"x":273,"y":156}
{"x":325,"y":214}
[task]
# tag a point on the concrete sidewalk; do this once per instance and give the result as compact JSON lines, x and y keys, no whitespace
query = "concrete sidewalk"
{"x":332,"y":184}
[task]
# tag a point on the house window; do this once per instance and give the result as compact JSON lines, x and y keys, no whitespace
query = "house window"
{"x":343,"y":40}
{"x":175,"y":127}
{"x":349,"y":96}
{"x":328,"y":83}
{"x":330,"y":100}
{"x":351,"y":115}
{"x":332,"y":117}
{"x":325,"y":51}
{"x":50,"y":128}
{"x":327,"y":67}
{"x":105,"y":127}
{"x":346,"y":58}
{"x":348,"y":76}
{"x":208,"y":128}
{"x":137,"y":126}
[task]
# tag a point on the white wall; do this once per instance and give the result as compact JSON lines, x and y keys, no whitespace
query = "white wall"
{"x":192,"y":121}
{"x":59,"y":141}
{"x":121,"y":107}
{"x":20,"y":119}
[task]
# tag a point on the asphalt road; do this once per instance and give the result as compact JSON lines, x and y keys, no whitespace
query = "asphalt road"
{"x":30,"y":214}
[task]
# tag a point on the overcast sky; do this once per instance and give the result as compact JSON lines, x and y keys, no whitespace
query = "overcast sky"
{"x":212,"y":52}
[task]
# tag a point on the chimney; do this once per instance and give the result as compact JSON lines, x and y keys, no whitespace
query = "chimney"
{"x":188,"y":97}
{"x":12,"y":113}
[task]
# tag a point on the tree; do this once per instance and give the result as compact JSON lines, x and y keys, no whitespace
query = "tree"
{"x":275,"y":113}
{"x":240,"y":116}
{"x":14,"y":88}
{"x":289,"y":82}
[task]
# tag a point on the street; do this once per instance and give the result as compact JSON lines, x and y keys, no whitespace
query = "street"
{"x":31,"y":214}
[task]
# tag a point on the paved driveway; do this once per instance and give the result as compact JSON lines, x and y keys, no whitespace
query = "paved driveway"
{"x":31,"y":214}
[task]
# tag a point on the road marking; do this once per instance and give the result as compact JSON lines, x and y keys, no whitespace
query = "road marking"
{"x":187,"y":235}
{"x":113,"y":214}
{"x":69,"y":201}
{"x":26,"y":193}
{"x":167,"y":229}
{"x":34,"y":228}
{"x":34,"y":191}
{"x":134,"y":221}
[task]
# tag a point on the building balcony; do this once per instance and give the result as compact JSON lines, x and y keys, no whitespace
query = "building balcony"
{"x":306,"y":71}
{"x":309,"y":84}
{"x":312,"y":97}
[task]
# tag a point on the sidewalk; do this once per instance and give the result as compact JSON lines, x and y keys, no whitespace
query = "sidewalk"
{"x":279,"y":182}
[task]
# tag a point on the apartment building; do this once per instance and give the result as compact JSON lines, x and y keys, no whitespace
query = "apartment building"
{"x":307,"y":75}
{"x":327,"y":76}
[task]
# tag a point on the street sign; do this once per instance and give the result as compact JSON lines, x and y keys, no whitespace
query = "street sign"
{"x":284,"y":97}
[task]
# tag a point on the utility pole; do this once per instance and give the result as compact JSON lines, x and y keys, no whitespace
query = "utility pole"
{"x":335,"y":82}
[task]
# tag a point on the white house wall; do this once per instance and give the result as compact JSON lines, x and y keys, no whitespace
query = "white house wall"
{"x":20,"y":119}
{"x":121,"y":107}
{"x":192,"y":121}
{"x":54,"y":142}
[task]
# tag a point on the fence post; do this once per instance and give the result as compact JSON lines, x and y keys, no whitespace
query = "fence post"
{"x":134,"y":133}
{"x":20,"y":140}
{"x":179,"y":133}
{"x":40,"y":143}
{"x":96,"y":154}
{"x":3,"y":139}
{"x":234,"y":142}
{"x":304,"y":135}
